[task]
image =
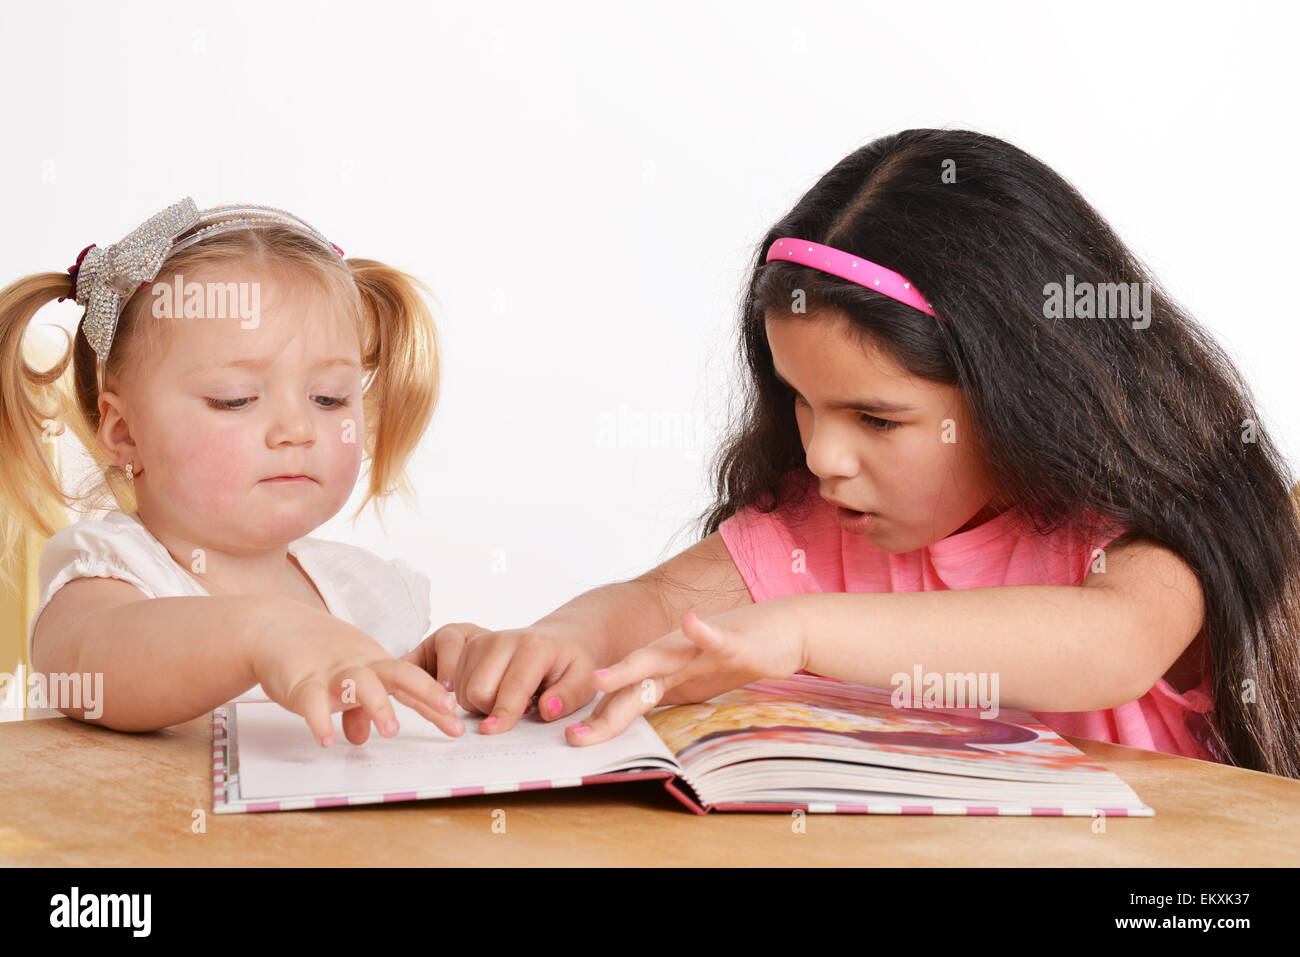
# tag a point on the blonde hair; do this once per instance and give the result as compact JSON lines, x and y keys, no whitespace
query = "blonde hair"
{"x":400,"y":356}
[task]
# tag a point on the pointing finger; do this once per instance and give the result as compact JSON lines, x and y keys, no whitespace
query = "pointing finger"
{"x":658,"y":658}
{"x":614,"y":713}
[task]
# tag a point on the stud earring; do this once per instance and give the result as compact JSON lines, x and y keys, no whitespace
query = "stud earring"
{"x":130,"y":471}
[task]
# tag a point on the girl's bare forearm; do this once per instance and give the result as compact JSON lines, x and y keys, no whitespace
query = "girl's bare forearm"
{"x":1051,"y":648}
{"x":163,"y":661}
{"x":620,"y":618}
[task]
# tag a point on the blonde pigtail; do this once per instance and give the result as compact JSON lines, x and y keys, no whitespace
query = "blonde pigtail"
{"x":402,"y":353}
{"x":33,"y":412}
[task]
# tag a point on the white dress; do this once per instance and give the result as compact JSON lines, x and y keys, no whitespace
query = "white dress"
{"x":388,"y":600}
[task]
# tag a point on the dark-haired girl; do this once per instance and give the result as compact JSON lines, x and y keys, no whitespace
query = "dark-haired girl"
{"x":941,"y":465}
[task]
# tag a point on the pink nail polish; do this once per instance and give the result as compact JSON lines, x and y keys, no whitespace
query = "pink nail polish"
{"x":326,"y":741}
{"x":602,"y":671}
{"x":391,"y":726}
{"x":554,"y":704}
{"x":489,"y":720}
{"x":579,"y":728}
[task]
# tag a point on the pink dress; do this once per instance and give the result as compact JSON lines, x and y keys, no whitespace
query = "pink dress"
{"x":763,"y":546}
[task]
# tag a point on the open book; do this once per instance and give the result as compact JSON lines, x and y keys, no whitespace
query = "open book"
{"x":803,"y":742}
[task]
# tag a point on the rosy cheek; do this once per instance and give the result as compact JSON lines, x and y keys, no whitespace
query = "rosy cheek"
{"x":208,"y":464}
{"x":940,"y":475}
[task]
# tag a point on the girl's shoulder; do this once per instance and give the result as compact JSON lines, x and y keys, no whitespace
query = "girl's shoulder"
{"x":108,"y":525}
{"x":115,"y":541}
{"x":114,"y":546}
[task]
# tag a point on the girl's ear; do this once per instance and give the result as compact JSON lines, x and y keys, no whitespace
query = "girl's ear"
{"x":114,"y":433}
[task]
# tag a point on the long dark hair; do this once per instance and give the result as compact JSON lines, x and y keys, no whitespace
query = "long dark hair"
{"x":1084,"y":420}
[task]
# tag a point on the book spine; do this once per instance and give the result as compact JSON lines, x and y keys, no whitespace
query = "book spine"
{"x":220,"y":762}
{"x":685,"y":796}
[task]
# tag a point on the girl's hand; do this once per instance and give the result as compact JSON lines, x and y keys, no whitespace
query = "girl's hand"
{"x":498,"y":673}
{"x":315,"y":664}
{"x":703,"y":659}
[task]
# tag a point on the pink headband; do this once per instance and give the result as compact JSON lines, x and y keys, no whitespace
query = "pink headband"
{"x":853,"y":268}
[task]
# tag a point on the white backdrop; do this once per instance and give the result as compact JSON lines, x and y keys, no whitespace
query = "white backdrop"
{"x":583,"y":184}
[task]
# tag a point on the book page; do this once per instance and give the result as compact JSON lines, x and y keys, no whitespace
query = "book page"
{"x":799,"y":739}
{"x":278,"y":757}
{"x":814,"y":717}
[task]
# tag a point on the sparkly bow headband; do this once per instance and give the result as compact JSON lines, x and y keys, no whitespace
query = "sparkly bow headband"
{"x":853,"y":268}
{"x":106,"y":278}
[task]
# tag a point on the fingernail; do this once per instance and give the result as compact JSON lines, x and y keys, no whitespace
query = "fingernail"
{"x":446,"y":683}
{"x":489,"y":720}
{"x":554,"y":704}
{"x":458,"y":726}
{"x":391,"y":726}
{"x":326,"y":741}
{"x":602,"y":671}
{"x":579,"y":728}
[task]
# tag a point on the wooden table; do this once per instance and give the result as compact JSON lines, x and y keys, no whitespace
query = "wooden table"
{"x":73,"y":794}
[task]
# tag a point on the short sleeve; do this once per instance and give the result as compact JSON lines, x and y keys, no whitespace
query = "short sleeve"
{"x":98,"y":549}
{"x":794,"y":550}
{"x":755,"y":540}
{"x":1100,"y":541}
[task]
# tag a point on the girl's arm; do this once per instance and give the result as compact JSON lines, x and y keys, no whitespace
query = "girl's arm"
{"x":167,"y":660}
{"x":163,"y":660}
{"x":1052,"y":648}
{"x":619,"y":618}
{"x":1047,"y":647}
{"x":497,"y":672}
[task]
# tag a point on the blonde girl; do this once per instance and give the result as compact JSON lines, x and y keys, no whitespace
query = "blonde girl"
{"x":230,"y":374}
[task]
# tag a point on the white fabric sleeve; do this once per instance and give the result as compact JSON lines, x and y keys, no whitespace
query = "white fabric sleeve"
{"x":89,"y":549}
{"x":419,"y":588}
